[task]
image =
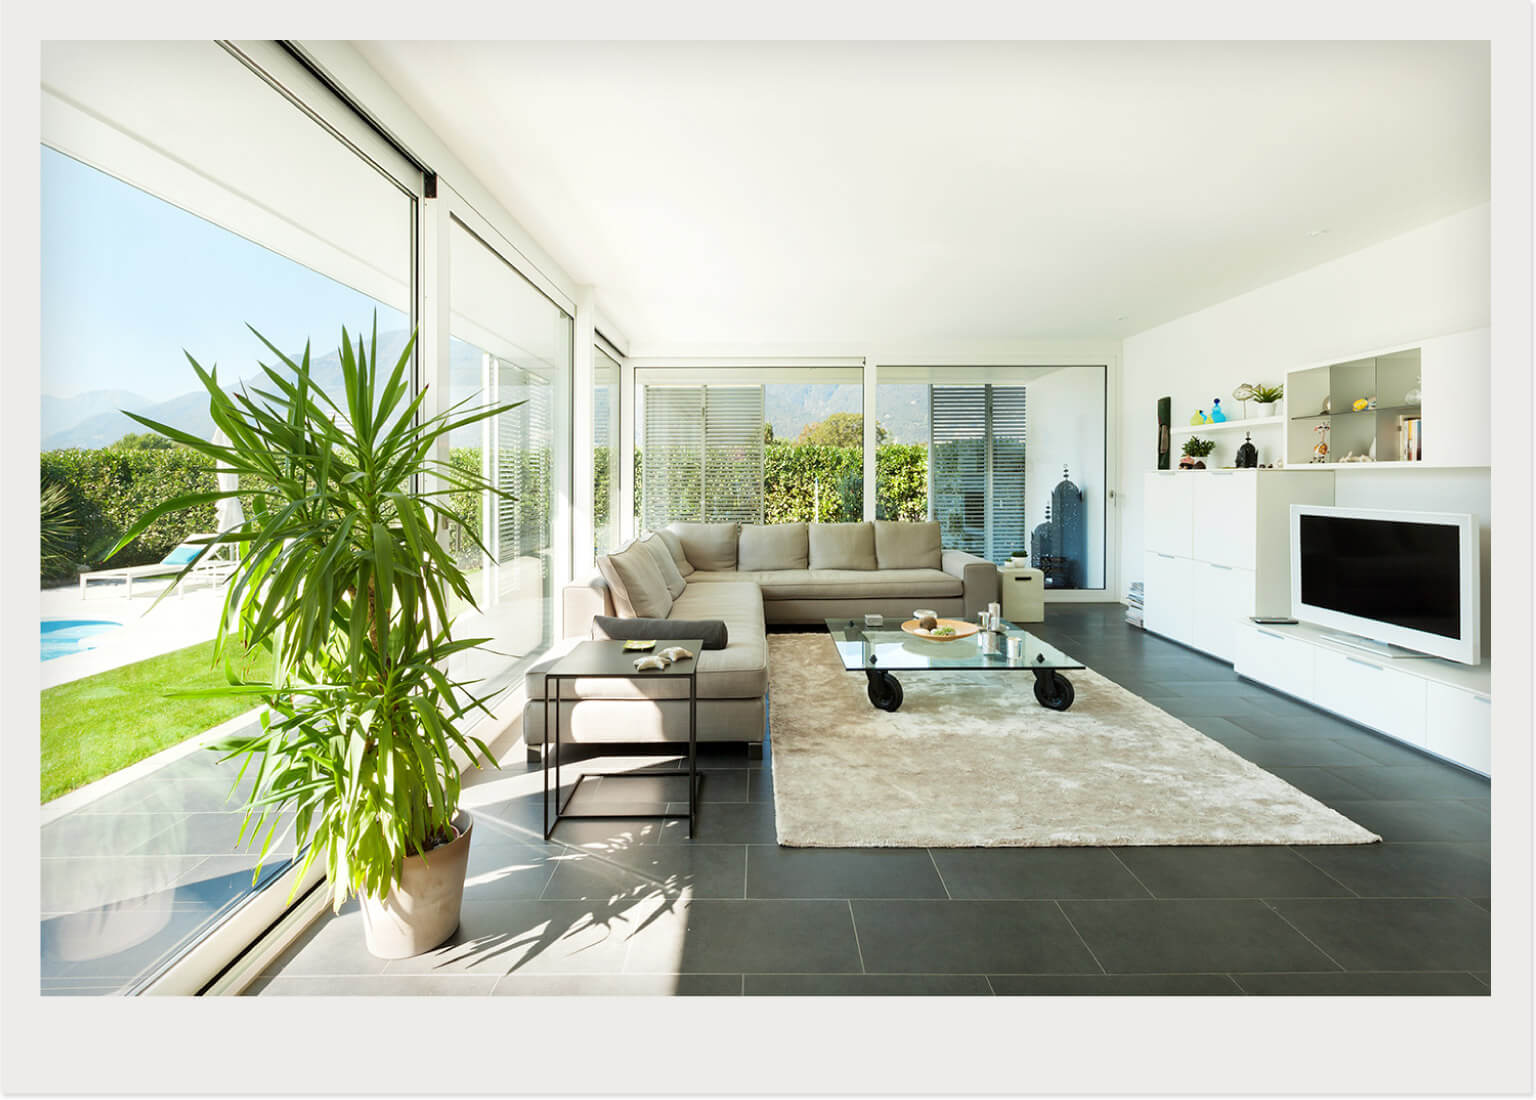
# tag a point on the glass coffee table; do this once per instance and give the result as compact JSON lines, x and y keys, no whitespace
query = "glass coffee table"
{"x":880,"y":651}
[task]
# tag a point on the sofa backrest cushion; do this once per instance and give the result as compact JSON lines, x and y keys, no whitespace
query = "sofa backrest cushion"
{"x":708,"y":546}
{"x":638,"y":590}
{"x":712,"y":631}
{"x":675,"y":544}
{"x":662,"y":556}
{"x":772,"y":546}
{"x":908,"y":545}
{"x":842,"y":545}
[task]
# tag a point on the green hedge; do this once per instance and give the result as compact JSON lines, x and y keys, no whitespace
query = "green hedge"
{"x":110,"y":488}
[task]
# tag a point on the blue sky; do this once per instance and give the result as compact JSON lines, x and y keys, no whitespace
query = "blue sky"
{"x":128,"y":281}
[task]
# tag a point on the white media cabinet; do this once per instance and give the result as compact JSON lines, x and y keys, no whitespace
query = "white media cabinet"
{"x":1217,"y":549}
{"x":1435,"y":705}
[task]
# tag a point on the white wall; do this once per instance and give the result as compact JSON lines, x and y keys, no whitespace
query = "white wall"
{"x":1428,"y":282}
{"x":1066,"y":426}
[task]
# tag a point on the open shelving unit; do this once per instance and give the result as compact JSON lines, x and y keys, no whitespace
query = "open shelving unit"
{"x":1442,"y":384}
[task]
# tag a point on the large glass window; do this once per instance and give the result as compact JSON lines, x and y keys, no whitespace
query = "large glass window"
{"x":771,"y":445}
{"x":509,"y":344}
{"x":183,"y":198}
{"x":605,"y":449}
{"x":1009,"y":460}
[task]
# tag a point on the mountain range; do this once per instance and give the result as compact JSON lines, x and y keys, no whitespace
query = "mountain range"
{"x":95,"y":418}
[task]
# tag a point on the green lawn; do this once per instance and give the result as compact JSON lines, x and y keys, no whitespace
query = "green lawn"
{"x":100,"y":724}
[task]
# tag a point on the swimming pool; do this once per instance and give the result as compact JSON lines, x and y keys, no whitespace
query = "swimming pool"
{"x":62,"y":637}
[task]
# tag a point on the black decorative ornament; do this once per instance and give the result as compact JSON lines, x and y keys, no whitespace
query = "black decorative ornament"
{"x":1247,"y":455}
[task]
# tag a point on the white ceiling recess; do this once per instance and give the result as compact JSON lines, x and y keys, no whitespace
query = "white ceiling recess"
{"x":924,"y":193}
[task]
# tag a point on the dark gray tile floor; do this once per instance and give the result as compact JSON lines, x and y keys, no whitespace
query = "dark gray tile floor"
{"x":630,"y":906}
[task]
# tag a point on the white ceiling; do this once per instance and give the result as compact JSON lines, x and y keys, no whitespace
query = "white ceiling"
{"x":929,"y":192}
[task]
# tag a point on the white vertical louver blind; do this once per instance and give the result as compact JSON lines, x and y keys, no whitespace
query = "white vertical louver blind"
{"x":958,"y":453}
{"x":1009,"y":531}
{"x":733,"y":454}
{"x":524,"y":445}
{"x":977,"y":452}
{"x":672,"y":464}
{"x":703,"y":454}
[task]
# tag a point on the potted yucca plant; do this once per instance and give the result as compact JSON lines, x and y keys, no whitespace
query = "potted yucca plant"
{"x":343,"y":581}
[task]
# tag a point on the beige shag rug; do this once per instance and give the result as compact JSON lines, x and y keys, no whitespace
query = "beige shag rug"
{"x":971,"y":760}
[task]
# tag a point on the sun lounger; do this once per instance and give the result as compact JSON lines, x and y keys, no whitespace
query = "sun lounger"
{"x":214,"y":568}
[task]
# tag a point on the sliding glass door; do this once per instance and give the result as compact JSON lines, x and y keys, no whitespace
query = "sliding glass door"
{"x":510,"y":345}
{"x":1010,"y":461}
{"x":605,"y":449}
{"x":183,"y":198}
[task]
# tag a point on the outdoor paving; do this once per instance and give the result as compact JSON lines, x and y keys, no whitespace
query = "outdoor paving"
{"x":632,"y":907}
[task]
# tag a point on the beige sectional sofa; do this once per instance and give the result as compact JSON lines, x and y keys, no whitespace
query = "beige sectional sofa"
{"x":747,"y":576}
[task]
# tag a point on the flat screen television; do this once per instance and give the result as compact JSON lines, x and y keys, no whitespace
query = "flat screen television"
{"x":1406,"y":579}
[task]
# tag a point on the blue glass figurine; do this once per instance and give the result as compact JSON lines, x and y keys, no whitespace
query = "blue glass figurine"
{"x":1217,"y":416}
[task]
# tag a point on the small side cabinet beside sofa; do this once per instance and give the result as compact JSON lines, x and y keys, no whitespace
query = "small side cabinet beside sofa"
{"x":747,"y":575}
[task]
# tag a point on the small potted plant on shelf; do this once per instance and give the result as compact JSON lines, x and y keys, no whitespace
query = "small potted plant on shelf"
{"x":1267,"y":398}
{"x":343,"y":580}
{"x":1195,"y":449}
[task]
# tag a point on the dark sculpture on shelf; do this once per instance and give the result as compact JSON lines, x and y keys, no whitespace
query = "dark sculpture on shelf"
{"x":1059,"y":546}
{"x":1247,"y":455}
{"x":1164,"y":444}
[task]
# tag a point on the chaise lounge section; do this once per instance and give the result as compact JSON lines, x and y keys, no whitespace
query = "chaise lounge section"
{"x":746,"y":576}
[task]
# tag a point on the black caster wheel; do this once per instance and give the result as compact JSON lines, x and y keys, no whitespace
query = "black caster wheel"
{"x":884,"y":691}
{"x":1053,"y":690}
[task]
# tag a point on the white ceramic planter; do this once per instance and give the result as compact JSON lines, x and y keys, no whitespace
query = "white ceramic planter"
{"x":422,"y":911}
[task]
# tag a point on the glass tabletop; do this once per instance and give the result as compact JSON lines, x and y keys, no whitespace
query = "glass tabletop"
{"x":888,"y":647}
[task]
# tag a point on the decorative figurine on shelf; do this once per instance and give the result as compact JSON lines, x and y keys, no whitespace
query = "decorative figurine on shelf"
{"x":1247,"y":455}
{"x":1361,"y":404}
{"x":1320,"y":448}
{"x":1198,"y":418}
{"x":1243,"y":393}
{"x":1217,"y":416}
{"x":1415,"y":396}
{"x":1327,"y":408}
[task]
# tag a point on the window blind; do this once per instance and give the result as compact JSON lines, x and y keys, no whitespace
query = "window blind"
{"x":1009,"y":531}
{"x":703,"y":454}
{"x":733,"y":449}
{"x":977,"y":457}
{"x":672,"y":464}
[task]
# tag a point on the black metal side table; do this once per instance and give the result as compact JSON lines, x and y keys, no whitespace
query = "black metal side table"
{"x":608,"y":660}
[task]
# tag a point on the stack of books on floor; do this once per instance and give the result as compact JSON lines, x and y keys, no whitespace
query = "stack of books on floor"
{"x":1133,"y":604}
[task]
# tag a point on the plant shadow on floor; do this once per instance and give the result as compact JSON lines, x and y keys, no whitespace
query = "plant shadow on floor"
{"x":601,"y":892}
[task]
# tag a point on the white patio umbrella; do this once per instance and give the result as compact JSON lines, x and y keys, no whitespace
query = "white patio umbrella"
{"x":229,"y":513}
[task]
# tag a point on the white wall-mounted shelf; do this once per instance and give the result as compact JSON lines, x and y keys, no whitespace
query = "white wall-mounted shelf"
{"x":1227,"y":425}
{"x":1380,"y":466}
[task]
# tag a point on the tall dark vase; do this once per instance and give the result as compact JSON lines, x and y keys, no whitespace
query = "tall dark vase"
{"x":1164,"y":443}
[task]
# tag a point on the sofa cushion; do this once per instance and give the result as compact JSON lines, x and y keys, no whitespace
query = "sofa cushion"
{"x":842,"y":546}
{"x":708,"y":545}
{"x":772,"y":546}
{"x":908,"y":545}
{"x":675,"y":545}
{"x":712,"y":632}
{"x":638,"y":590}
{"x":837,"y":584}
{"x":855,"y":584}
{"x":662,"y":556}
